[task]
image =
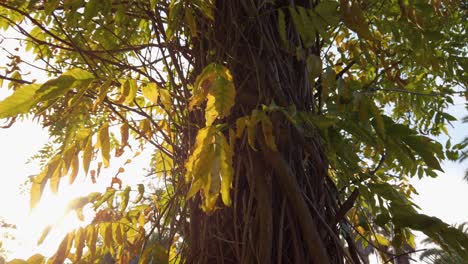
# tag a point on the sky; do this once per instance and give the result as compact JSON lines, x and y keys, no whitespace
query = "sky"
{"x":444,"y":197}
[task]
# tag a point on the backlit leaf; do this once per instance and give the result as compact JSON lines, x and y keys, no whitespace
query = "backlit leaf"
{"x":124,"y":198}
{"x":44,"y":234}
{"x":19,"y":102}
{"x":151,"y":92}
{"x":104,"y":143}
{"x":87,"y":154}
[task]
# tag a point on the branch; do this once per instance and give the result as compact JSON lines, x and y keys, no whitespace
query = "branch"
{"x":347,"y":205}
{"x":15,"y":80}
{"x":343,"y":71}
{"x":288,"y":182}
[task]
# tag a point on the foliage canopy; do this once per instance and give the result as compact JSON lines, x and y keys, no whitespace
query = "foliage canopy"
{"x":328,"y":107}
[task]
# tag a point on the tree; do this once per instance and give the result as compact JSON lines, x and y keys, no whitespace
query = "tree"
{"x":283,"y":131}
{"x":438,"y":255}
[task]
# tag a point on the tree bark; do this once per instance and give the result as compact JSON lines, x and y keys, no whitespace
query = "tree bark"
{"x":284,"y":206}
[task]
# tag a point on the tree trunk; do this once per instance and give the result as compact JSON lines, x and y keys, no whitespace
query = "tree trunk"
{"x":284,"y":203}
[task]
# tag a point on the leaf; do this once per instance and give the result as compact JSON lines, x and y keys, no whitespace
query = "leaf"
{"x":227,"y":172}
{"x":17,"y":261}
{"x":20,"y":102}
{"x":87,"y":154}
{"x":50,"y":6}
{"x":154,"y":253}
{"x":79,"y":243}
{"x":151,"y":92}
{"x":314,"y":66}
{"x":62,"y":251}
{"x":214,"y":83}
{"x":124,"y":91}
{"x":36,"y":259}
{"x":44,"y":234}
{"x":190,"y":20}
{"x":381,"y":240}
{"x":79,"y":74}
{"x":165,"y":99}
{"x":109,"y":195}
{"x":141,"y":192}
{"x":282,"y":26}
{"x":328,"y":11}
{"x":117,"y":233}
{"x":91,"y":238}
{"x":203,"y":139}
{"x":132,"y":91}
{"x":124,"y":198}
{"x":424,"y":149}
{"x":102,"y":92}
{"x":104,"y":143}
{"x":75,"y":167}
{"x":241,"y":124}
{"x":141,"y":219}
{"x":267,"y":128}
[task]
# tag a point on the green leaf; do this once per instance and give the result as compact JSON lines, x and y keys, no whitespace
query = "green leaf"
{"x":423,"y":147}
{"x":282,"y":26}
{"x":20,"y":102}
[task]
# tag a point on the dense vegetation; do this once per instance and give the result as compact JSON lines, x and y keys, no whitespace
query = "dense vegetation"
{"x":282,"y":131}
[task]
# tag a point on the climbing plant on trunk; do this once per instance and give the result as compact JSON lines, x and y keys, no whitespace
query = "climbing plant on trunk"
{"x":282,"y":131}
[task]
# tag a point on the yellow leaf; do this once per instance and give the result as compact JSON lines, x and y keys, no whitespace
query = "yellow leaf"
{"x":145,"y":128}
{"x":267,"y":128}
{"x":151,"y":92}
{"x":124,"y":133}
{"x":117,"y":233}
{"x":204,"y":136}
{"x":106,"y":234}
{"x":36,"y":259}
{"x":55,"y":178}
{"x":104,"y":143}
{"x":202,"y":85}
{"x":75,"y":167}
{"x":381,"y":240}
{"x":62,"y":251}
{"x":79,"y":243}
{"x":241,"y":123}
{"x":36,"y":193}
{"x":166,"y":99}
{"x":87,"y":154}
{"x":124,"y":91}
{"x":91,"y":238}
{"x":221,"y":98}
{"x":67,"y":158}
{"x":141,"y":219}
{"x":227,"y":172}
{"x":212,"y":186}
{"x":102,"y":94}
{"x":124,"y":197}
{"x":132,"y":90}
{"x":141,"y":192}
{"x":44,"y":234}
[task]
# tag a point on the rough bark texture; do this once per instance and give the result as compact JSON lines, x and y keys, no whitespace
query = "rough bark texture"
{"x":284,"y":204}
